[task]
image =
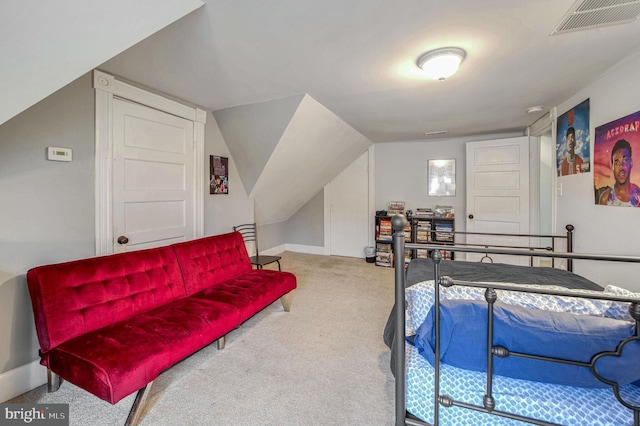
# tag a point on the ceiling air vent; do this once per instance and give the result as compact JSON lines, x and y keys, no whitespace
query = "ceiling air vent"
{"x":586,"y":14}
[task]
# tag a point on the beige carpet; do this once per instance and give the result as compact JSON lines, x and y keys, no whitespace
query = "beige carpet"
{"x":323,"y":363}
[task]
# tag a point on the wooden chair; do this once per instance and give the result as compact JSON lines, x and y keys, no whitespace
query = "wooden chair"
{"x":250,"y":234}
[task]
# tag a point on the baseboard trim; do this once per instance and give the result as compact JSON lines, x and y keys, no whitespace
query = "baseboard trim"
{"x":274,"y":251}
{"x":298,"y":248}
{"x":22,"y":379}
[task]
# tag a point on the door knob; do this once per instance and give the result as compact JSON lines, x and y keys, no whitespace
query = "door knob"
{"x":470,"y":216}
{"x":122,"y":239}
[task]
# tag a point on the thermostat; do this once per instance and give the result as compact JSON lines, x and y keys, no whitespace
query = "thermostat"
{"x":59,"y":154}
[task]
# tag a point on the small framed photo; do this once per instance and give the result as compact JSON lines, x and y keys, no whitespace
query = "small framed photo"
{"x":218,"y":175}
{"x":441,"y":180}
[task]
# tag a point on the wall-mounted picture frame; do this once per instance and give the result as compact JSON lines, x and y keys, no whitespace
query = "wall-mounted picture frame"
{"x":441,"y":181}
{"x":615,"y":181}
{"x":573,"y":144}
{"x":218,"y":175}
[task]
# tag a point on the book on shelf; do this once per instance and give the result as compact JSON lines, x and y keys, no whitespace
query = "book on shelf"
{"x":423,"y":231}
{"x":422,"y":254}
{"x":444,"y":211}
{"x":444,"y":231}
{"x":423,"y":213}
{"x":384,"y":259}
{"x":396,"y":207}
{"x":384,"y":231}
{"x":423,"y":237}
{"x":444,"y":236}
{"x":385,"y":248}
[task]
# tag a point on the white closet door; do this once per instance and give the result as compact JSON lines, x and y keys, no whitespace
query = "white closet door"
{"x":153,"y":177}
{"x":498,"y":194}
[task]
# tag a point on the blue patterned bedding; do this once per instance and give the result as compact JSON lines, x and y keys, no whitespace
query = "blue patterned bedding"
{"x":558,"y":404}
{"x":565,"y":405}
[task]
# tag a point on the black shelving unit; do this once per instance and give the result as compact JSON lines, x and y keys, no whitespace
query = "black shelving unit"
{"x":433,"y":230}
{"x":384,"y":235}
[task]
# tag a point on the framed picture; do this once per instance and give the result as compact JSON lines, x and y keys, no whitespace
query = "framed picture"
{"x":615,"y":180}
{"x":573,"y":143}
{"x":441,"y":181}
{"x":218,"y":175}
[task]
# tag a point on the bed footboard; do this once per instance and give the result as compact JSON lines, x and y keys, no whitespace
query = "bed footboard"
{"x":490,"y":405}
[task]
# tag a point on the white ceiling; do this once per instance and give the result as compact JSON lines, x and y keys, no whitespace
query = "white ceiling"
{"x":357,"y":58}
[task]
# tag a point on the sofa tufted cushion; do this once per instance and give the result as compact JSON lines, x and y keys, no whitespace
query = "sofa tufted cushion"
{"x":251,"y":291}
{"x":211,"y":260}
{"x":119,"y":359}
{"x":78,"y":297}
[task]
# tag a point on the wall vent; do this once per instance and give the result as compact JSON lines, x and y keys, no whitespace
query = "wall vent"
{"x":586,"y":14}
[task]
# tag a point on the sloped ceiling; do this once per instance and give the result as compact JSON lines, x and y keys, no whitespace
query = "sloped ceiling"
{"x":45,"y":45}
{"x":287,"y":150}
{"x":252,"y":132}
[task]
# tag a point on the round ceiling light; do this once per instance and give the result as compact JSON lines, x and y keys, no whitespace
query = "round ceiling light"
{"x":441,"y":63}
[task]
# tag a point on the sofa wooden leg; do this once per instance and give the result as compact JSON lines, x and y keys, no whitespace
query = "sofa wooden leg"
{"x":286,"y":301}
{"x":53,"y":381}
{"x":221,"y":342}
{"x":138,"y":403}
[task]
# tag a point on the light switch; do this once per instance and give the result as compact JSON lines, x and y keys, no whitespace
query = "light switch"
{"x":59,"y":154}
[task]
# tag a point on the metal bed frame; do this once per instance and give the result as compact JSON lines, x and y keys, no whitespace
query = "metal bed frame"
{"x":402,"y":417}
{"x":550,"y":248}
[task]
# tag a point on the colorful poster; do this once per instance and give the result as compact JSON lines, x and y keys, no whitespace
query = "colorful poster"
{"x":573,"y":144}
{"x":219,"y":176}
{"x":614,"y":175}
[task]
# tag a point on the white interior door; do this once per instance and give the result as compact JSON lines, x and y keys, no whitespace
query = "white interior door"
{"x":349,"y":209}
{"x":153,"y":177}
{"x":498,"y":194}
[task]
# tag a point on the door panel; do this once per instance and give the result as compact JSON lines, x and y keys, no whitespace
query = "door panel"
{"x":498,"y":194}
{"x":149,"y":175}
{"x":153,"y":177}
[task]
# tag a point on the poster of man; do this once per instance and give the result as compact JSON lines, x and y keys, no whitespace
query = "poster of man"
{"x":614,"y":175}
{"x":218,"y":175}
{"x":573,"y":143}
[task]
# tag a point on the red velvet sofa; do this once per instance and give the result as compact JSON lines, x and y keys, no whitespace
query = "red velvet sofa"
{"x":112,"y":324}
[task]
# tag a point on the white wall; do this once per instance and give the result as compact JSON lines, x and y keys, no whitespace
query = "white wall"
{"x":401,"y":173}
{"x":603,"y":229}
{"x":47,"y":212}
{"x":306,"y":226}
{"x":223,"y":211}
{"x":547,"y":170}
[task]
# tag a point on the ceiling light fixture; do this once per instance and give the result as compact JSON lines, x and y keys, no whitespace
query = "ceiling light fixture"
{"x":441,"y":63}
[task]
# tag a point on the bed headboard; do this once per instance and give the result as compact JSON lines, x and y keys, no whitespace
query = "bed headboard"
{"x":551,"y":247}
